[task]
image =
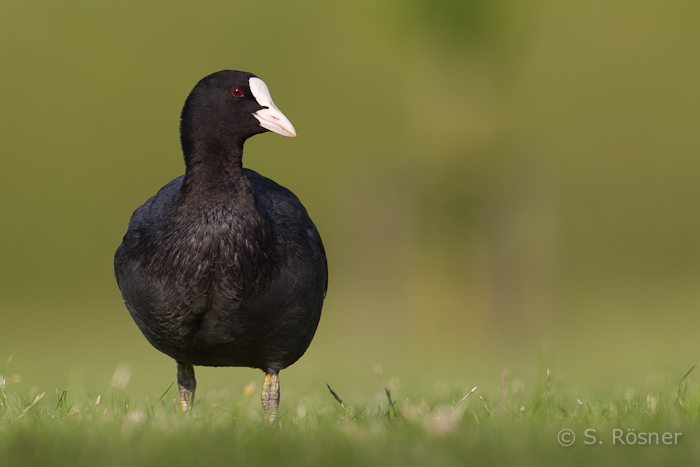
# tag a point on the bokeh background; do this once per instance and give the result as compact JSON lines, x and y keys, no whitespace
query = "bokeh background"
{"x":497,"y":183}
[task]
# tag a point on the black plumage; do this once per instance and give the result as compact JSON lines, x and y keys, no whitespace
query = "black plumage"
{"x":224,"y":267}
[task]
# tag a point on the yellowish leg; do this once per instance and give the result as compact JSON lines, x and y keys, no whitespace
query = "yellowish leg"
{"x":270,"y":397}
{"x":187,"y":385}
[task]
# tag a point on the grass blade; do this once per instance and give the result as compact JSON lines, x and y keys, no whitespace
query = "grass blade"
{"x":337,"y":397}
{"x":680,"y":384}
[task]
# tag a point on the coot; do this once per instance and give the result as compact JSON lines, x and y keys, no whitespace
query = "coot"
{"x":224,"y":267}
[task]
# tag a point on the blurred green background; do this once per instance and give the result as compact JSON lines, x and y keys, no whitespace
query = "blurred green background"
{"x":497,"y":183}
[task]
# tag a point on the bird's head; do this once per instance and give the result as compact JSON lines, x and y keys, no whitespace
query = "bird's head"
{"x":230,"y":106}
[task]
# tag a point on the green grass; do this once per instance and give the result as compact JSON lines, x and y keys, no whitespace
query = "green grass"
{"x":461,"y":426}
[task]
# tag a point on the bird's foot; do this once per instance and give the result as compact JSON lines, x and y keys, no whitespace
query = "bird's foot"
{"x":187,"y":384}
{"x":270,"y":397}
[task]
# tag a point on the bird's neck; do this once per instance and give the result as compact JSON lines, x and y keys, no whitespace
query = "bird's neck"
{"x":215,"y":170}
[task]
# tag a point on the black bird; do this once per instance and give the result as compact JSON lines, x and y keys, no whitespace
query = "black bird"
{"x":224,"y":267}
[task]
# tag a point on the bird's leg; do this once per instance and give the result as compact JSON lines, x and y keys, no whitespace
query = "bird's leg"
{"x":270,"y":396}
{"x":187,"y":385}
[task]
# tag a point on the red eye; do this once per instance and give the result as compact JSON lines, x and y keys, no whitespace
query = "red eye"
{"x":237,"y":92}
